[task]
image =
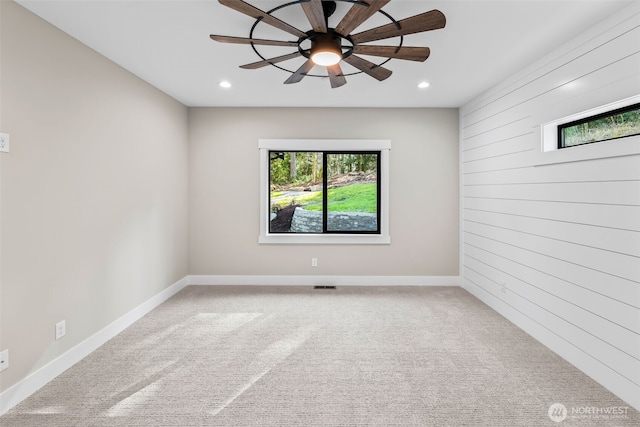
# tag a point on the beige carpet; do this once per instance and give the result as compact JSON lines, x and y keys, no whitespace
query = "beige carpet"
{"x":294,"y":356}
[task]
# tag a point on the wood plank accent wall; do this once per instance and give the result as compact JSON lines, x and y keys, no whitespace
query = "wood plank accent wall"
{"x":564,"y":238}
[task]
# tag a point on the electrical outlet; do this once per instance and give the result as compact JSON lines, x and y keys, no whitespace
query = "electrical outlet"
{"x":4,"y":142}
{"x":503,"y":286}
{"x":4,"y":360}
{"x":314,"y":262}
{"x":61,"y":329}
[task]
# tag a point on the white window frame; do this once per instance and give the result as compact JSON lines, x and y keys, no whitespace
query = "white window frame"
{"x":549,"y":153}
{"x":382,"y":145}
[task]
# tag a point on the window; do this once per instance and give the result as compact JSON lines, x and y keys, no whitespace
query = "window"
{"x":572,"y":138}
{"x":324,"y":191}
{"x":614,"y":124}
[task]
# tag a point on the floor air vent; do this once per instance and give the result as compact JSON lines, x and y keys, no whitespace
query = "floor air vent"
{"x":324,"y":287}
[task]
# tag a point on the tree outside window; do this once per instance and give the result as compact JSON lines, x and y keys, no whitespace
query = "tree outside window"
{"x":324,"y":192}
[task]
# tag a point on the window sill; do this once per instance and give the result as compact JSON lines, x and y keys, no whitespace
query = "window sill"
{"x":628,"y":146}
{"x":318,"y":239}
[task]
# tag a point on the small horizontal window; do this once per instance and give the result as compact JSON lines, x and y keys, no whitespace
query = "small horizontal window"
{"x":615,"y":124}
{"x":579,"y":137}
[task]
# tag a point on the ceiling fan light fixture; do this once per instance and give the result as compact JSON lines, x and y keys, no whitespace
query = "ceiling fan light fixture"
{"x":326,"y":58}
{"x":326,"y":50}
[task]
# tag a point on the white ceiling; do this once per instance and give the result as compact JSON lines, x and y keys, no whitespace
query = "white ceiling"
{"x":167,"y":44}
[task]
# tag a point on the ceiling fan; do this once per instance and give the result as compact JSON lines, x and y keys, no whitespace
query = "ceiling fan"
{"x":327,"y":46}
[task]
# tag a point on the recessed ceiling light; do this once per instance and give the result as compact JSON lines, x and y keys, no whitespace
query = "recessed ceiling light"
{"x":225,"y":84}
{"x":423,"y":85}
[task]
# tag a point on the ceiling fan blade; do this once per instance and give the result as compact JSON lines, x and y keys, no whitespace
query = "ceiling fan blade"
{"x":427,"y":21}
{"x":374,"y":70}
{"x":419,"y":54}
{"x":256,"y":13}
{"x":270,"y":61}
{"x":315,"y":14}
{"x":300,"y":72}
{"x":244,"y":40}
{"x":358,"y":14}
{"x":336,"y":76}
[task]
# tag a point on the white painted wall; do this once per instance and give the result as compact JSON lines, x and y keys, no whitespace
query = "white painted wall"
{"x":564,"y":237}
{"x":93,"y":192}
{"x":224,"y":192}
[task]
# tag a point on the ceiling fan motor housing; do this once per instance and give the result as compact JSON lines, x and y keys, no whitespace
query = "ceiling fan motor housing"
{"x":328,"y":7}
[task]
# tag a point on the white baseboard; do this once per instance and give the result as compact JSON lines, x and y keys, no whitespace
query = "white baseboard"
{"x":325,"y":280}
{"x":29,"y":385}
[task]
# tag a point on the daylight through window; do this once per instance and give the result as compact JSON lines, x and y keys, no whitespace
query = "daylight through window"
{"x":324,"y":192}
{"x":331,"y":191}
{"x":615,"y":124}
